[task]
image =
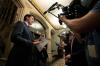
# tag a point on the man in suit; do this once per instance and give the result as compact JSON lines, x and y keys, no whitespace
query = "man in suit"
{"x":24,"y":51}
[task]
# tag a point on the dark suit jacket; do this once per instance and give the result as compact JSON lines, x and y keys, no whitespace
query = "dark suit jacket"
{"x":23,"y":53}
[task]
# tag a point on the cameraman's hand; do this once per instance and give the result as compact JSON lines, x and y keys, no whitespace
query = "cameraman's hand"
{"x":62,"y":18}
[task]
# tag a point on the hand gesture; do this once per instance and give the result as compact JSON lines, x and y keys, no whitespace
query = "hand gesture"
{"x":35,"y":42}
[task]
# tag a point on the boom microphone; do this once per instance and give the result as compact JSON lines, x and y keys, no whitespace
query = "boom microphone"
{"x":45,"y":12}
{"x":51,"y":8}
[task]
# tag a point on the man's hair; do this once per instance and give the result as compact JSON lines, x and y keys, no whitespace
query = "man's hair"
{"x":27,"y":15}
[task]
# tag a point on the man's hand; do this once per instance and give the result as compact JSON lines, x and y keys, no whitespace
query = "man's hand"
{"x":35,"y":42}
{"x":68,"y":56}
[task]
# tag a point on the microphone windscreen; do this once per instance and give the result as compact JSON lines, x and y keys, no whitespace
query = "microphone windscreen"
{"x":45,"y":12}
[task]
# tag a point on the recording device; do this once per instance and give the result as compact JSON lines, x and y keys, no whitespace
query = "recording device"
{"x":74,"y":10}
{"x":53,"y":7}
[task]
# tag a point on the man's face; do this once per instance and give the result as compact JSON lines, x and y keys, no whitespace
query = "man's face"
{"x":30,"y":20}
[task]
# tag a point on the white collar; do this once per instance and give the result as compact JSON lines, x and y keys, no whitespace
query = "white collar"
{"x":26,"y":23}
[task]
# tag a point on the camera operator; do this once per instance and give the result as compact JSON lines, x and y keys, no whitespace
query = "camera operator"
{"x":87,"y":23}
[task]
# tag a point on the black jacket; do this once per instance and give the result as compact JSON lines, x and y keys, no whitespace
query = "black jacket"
{"x":23,"y":52}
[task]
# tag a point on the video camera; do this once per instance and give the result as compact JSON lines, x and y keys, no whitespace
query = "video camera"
{"x":74,"y":10}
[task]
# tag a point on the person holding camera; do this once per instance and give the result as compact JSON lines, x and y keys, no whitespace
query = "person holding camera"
{"x":87,"y":23}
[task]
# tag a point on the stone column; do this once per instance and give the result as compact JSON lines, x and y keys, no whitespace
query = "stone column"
{"x":48,"y":34}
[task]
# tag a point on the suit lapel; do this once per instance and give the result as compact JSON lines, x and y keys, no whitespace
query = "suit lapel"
{"x":29,"y":32}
